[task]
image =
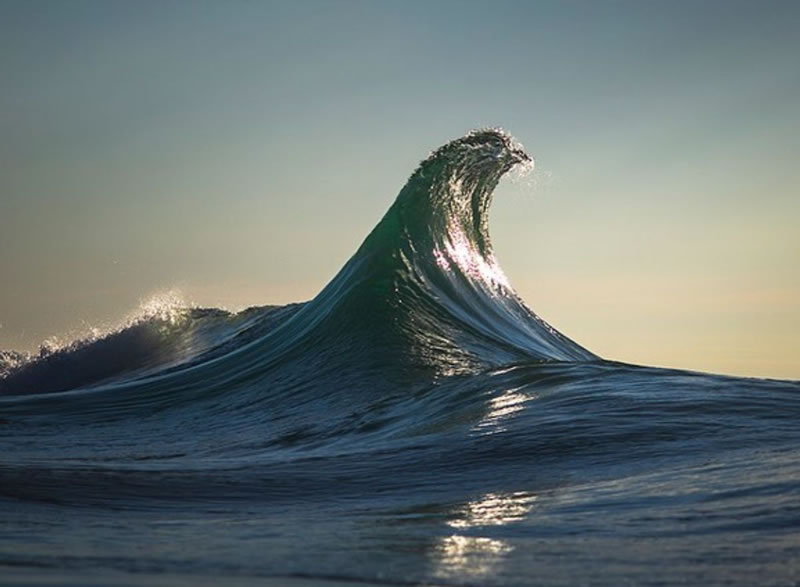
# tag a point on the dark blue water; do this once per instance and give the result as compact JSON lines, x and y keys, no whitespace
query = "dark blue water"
{"x":414,"y":423}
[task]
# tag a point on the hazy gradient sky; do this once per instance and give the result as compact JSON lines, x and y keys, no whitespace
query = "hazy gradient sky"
{"x":240,"y":151}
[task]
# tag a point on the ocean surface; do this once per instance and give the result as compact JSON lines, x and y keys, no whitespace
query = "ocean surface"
{"x":414,"y":424}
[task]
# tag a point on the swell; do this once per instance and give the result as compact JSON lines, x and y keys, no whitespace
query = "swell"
{"x":422,"y":298}
{"x":497,"y":427}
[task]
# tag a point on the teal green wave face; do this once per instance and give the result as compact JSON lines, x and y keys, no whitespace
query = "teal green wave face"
{"x":238,"y":154}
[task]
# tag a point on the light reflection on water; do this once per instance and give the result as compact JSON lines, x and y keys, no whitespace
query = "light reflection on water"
{"x":500,"y":409}
{"x":472,"y":555}
{"x":475,"y":555}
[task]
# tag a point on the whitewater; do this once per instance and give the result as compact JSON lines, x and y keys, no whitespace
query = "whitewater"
{"x":415,"y":423}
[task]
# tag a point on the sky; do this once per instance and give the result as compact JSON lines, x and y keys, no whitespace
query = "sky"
{"x":237,"y":153}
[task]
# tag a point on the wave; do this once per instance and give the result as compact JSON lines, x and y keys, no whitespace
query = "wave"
{"x":423,"y":297}
{"x":414,"y":423}
{"x":163,"y":336}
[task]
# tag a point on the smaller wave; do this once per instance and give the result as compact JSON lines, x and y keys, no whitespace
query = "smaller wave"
{"x":163,"y":333}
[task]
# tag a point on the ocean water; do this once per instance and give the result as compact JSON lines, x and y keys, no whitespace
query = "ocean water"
{"x":414,"y":424}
